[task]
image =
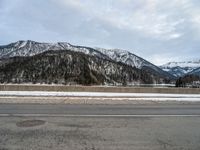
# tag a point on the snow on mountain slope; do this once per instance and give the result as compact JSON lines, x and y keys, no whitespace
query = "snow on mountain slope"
{"x":123,"y":56}
{"x":132,"y":60}
{"x":83,"y":49}
{"x":25,"y":48}
{"x":180,"y":69}
{"x":195,"y":71}
{"x":30,"y":48}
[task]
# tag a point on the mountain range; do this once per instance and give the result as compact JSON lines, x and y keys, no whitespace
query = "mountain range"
{"x":180,"y":69}
{"x":30,"y":61}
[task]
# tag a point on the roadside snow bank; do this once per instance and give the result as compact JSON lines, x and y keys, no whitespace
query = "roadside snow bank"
{"x":92,"y":97}
{"x":95,"y":94}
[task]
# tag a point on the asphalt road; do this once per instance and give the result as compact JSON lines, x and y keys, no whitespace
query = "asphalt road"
{"x":99,"y":127}
{"x":99,"y":110}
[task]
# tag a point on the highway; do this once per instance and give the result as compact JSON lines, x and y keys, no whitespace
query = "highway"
{"x":100,"y":109}
{"x":100,"y":127}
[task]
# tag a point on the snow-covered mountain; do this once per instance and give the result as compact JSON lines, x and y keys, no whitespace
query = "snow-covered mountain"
{"x":195,"y":71}
{"x":179,"y":69}
{"x":70,"y":67}
{"x":125,"y":57}
{"x":31,"y":48}
{"x":133,"y":60}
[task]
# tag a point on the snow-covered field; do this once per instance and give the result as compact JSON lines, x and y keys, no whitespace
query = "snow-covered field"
{"x":104,"y":95}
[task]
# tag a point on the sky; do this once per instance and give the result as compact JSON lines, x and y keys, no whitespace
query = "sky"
{"x":159,"y":31}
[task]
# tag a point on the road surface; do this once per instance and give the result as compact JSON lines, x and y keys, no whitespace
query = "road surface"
{"x":99,"y":127}
{"x":99,"y":110}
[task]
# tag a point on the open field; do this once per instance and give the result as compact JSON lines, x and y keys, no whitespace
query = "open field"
{"x":32,"y":87}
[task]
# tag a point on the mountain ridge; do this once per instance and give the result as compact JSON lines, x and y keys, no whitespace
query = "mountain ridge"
{"x":69,"y":67}
{"x":179,"y":69}
{"x":31,"y":48}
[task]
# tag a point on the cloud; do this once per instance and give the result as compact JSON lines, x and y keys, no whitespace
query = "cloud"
{"x":143,"y":16}
{"x":149,"y":28}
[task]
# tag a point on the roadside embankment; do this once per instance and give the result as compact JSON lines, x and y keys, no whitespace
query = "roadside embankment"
{"x":62,"y":88}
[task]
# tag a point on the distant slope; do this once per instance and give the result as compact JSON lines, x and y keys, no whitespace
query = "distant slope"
{"x":179,"y":69}
{"x":195,"y":72}
{"x":69,"y":67}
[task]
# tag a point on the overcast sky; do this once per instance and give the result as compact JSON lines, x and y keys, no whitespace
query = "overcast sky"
{"x":157,"y":30}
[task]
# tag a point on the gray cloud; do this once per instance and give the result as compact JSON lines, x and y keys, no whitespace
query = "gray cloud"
{"x":153,"y":29}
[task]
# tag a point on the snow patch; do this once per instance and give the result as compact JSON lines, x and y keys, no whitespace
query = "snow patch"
{"x":133,"y":96}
